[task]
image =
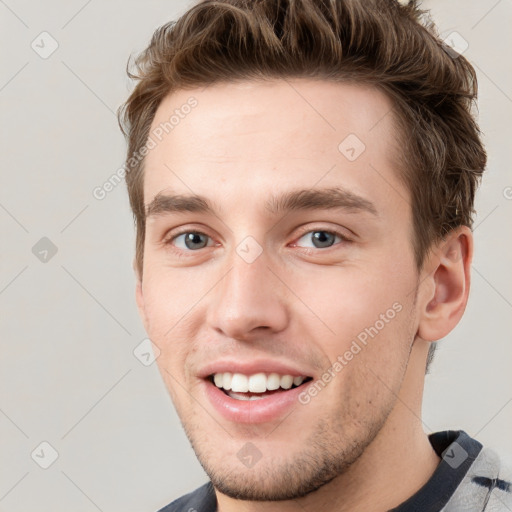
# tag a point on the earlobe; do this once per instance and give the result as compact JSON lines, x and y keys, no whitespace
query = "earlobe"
{"x":445,"y":290}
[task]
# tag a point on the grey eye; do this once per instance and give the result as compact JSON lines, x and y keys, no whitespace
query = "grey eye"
{"x":192,"y":240}
{"x":320,"y":239}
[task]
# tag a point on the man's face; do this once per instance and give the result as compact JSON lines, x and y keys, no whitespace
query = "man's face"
{"x":250,"y":289}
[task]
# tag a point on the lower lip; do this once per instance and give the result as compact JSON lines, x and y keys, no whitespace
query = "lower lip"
{"x":262,"y":410}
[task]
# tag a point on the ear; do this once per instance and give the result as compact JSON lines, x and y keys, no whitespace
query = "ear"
{"x":139,"y":295}
{"x":444,"y":288}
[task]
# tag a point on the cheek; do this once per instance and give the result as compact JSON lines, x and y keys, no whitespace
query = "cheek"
{"x":350,"y":297}
{"x":169,"y":296}
{"x":347,"y":302}
{"x":168,"y":308}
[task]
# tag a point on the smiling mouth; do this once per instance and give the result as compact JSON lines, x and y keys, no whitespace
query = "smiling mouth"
{"x":257,"y":386}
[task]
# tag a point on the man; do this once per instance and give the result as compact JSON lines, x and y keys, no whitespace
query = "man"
{"x":302,"y":175}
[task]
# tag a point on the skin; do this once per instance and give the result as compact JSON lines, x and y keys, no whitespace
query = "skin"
{"x":359,"y":445}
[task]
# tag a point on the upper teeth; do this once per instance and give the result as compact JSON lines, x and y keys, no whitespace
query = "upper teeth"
{"x":257,"y":383}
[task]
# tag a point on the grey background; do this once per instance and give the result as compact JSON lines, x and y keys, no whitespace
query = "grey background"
{"x":69,"y":326}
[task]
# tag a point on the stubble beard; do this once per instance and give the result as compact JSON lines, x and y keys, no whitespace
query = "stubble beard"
{"x":328,"y":452}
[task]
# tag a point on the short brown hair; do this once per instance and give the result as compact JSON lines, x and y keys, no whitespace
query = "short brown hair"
{"x":382,"y":43}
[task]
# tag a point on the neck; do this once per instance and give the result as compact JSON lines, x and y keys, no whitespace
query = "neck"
{"x":398,"y":462}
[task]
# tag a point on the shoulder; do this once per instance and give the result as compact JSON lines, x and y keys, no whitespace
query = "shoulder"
{"x":201,"y":500}
{"x":488,"y":482}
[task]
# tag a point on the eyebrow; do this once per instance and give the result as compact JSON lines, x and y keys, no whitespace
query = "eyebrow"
{"x":293,"y":200}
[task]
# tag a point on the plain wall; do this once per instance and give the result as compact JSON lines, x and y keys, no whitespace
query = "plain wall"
{"x":69,"y":325}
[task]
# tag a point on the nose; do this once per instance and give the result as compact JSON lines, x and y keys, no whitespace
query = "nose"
{"x":248,"y":301}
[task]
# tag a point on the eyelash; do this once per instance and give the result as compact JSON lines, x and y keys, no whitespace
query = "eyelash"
{"x":311,"y":250}
{"x":307,"y":250}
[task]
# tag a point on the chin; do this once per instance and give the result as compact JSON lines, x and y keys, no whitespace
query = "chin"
{"x":301,"y":471}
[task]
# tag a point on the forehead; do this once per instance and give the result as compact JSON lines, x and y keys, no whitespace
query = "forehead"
{"x":256,"y":136}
